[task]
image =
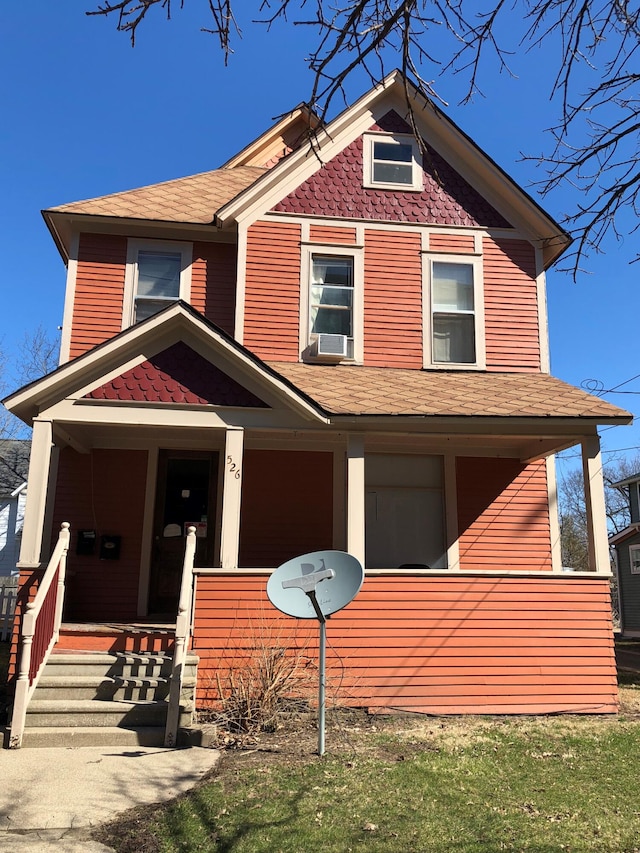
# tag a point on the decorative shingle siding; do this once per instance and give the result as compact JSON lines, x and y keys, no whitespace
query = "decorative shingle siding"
{"x":272,"y":291}
{"x":511,"y":305}
{"x":99,"y":292}
{"x":213,"y":283}
{"x":177,"y":375}
{"x":287,"y":502}
{"x":392,"y":299}
{"x":430,"y":643}
{"x":336,"y":190}
{"x":503,"y":514}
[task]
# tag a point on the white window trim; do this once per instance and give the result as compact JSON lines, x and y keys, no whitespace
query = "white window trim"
{"x":633,"y":549}
{"x":130,"y":282}
{"x":346,"y":251}
{"x":416,"y":184}
{"x":475,"y":260}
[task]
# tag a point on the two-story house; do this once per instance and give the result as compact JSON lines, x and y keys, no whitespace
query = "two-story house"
{"x":626,"y":545}
{"x":337,"y":345}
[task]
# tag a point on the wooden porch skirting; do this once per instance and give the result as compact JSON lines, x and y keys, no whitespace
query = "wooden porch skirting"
{"x":435,"y":644}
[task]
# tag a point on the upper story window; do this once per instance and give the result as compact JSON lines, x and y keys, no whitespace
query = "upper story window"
{"x":634,"y":559}
{"x":455,"y":322}
{"x":158,"y":273}
{"x":392,"y":162}
{"x":331,"y":328}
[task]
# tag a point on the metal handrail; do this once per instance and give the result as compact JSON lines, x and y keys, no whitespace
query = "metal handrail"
{"x":40,"y":632}
{"x":183,"y":631}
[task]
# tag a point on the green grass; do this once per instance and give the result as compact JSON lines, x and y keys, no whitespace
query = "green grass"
{"x":474,"y":785}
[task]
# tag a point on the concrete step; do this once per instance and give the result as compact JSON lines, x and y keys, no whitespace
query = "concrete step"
{"x":62,"y":736}
{"x":96,"y":713}
{"x":116,"y":664}
{"x":67,"y":687}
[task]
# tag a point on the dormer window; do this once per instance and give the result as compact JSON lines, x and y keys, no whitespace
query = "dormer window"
{"x":158,"y":274}
{"x":392,"y":162}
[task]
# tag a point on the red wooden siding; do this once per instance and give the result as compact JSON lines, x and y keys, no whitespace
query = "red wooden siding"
{"x":331,"y":234}
{"x":103,"y":491}
{"x":433,"y":644}
{"x":28,"y":582}
{"x":392,"y":299}
{"x":461,"y":243}
{"x":272,"y":292}
{"x":97,"y":306}
{"x":287,"y":505}
{"x":213,"y":283}
{"x":503,"y":514}
{"x":511,"y":305}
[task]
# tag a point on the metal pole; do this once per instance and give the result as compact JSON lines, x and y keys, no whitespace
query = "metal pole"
{"x":321,"y":686}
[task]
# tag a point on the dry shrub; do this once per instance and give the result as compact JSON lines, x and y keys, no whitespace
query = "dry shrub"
{"x":265,"y":680}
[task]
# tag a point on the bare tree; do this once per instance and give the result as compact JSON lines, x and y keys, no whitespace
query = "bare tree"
{"x":573,"y":513}
{"x":594,"y":140}
{"x":35,"y":356}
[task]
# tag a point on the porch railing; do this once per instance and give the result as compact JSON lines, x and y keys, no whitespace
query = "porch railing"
{"x":40,"y":629}
{"x":8,"y":597}
{"x":183,"y":632}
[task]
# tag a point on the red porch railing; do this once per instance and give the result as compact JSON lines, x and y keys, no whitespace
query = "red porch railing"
{"x":40,"y":628}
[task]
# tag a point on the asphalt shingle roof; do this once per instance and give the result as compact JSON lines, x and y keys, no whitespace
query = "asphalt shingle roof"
{"x":352,"y":390}
{"x":194,"y":199}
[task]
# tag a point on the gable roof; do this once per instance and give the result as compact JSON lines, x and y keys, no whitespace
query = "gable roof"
{"x":242,"y":190}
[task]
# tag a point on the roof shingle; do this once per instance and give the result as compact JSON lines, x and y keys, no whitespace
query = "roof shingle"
{"x":352,"y":390}
{"x":194,"y":199}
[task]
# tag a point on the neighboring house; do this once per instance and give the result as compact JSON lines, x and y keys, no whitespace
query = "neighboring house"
{"x":626,"y":545}
{"x":339,"y":346}
{"x":14,"y":465}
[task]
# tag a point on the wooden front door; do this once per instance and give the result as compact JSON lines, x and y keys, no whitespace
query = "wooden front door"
{"x":185,"y":495}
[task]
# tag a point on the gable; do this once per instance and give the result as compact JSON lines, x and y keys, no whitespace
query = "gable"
{"x":336,"y":189}
{"x":177,"y":375}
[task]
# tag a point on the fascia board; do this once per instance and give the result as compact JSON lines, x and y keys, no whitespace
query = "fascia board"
{"x":577,"y":428}
{"x":138,"y":342}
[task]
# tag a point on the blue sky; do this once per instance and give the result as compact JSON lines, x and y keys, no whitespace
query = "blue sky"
{"x":84,"y":114}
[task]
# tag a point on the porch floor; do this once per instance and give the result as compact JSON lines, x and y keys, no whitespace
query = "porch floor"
{"x":140,"y":637}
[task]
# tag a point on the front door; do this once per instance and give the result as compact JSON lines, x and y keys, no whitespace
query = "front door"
{"x":185,"y":495}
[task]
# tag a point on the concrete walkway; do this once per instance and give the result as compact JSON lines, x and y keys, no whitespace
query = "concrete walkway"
{"x":51,"y":798}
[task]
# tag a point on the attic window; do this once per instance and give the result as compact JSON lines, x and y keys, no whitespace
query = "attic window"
{"x":392,"y":162}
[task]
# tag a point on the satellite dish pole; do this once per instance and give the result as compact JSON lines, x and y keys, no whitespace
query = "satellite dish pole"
{"x":293,"y":589}
{"x":307,"y":583}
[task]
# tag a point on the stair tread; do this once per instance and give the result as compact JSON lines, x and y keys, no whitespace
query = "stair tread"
{"x":94,"y":705}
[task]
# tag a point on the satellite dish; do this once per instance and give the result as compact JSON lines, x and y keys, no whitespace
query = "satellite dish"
{"x":333,"y":577}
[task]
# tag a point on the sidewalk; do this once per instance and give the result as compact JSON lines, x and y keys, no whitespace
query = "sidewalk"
{"x":51,"y":798}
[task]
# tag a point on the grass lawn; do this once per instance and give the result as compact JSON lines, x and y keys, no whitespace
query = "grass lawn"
{"x":413,"y":785}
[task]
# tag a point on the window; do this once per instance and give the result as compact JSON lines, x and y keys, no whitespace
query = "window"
{"x":405,"y":521}
{"x":454,"y":313}
{"x":331,"y":300}
{"x":157,"y":275}
{"x":392,"y":162}
{"x":634,"y":559}
{"x":331,"y":297}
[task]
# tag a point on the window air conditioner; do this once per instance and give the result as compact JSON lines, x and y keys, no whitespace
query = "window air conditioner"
{"x":330,"y":347}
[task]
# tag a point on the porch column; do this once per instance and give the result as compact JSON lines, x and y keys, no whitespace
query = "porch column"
{"x":37,"y":485}
{"x":597,"y":538}
{"x":356,"y":497}
{"x":231,"y":498}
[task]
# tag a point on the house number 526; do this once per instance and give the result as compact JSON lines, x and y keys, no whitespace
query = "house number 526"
{"x":233,"y":468}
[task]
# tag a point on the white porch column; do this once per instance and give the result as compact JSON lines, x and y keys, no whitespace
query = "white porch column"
{"x":231,"y":498}
{"x":595,"y":506}
{"x":37,"y":485}
{"x":356,"y":497}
